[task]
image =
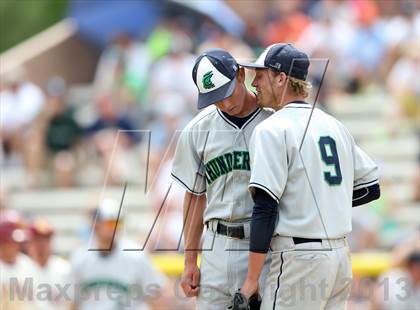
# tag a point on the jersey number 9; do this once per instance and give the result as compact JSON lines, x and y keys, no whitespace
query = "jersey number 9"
{"x":330,"y":157}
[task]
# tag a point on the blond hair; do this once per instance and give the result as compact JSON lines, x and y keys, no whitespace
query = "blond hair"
{"x":299,"y":87}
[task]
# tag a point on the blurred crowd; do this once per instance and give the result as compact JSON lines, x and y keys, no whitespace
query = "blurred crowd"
{"x":104,"y":273}
{"x":125,"y":129}
{"x":144,"y":88}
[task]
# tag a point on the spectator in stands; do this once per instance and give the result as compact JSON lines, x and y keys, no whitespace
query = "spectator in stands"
{"x":286,"y":22}
{"x":173,"y":72}
{"x":21,"y":102}
{"x":403,"y":82}
{"x":62,"y":133}
{"x":129,"y":275}
{"x":109,"y":116}
{"x":112,"y":138}
{"x":17,"y":270}
{"x":53,"y":270}
{"x":123,"y":69}
{"x":171,"y":112}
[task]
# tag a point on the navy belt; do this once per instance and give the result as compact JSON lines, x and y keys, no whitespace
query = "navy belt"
{"x":298,"y":240}
{"x":230,"y":231}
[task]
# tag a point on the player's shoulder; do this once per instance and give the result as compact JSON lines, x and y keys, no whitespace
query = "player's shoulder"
{"x":267,"y":112}
{"x":268,"y":129}
{"x":201,"y":119}
{"x":276,"y":120}
{"x":330,"y":119}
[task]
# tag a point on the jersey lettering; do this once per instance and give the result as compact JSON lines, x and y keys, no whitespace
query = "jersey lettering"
{"x":223,"y":164}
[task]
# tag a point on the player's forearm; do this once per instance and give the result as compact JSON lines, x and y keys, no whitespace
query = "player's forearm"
{"x":194,"y":207}
{"x":255,"y":265}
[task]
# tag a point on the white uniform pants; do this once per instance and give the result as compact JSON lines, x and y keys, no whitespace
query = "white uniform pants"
{"x":224,"y":265}
{"x":310,"y":275}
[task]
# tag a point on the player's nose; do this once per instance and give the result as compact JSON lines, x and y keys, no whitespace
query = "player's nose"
{"x":254,"y":82}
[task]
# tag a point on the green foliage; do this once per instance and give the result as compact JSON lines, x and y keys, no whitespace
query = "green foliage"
{"x":21,"y":19}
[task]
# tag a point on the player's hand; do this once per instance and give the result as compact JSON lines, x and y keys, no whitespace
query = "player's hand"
{"x":190,"y":280}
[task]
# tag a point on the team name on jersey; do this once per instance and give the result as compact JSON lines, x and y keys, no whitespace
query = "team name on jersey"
{"x":223,"y":164}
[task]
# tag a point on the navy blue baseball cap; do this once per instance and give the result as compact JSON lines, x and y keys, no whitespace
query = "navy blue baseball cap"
{"x":214,"y":74}
{"x":285,"y":58}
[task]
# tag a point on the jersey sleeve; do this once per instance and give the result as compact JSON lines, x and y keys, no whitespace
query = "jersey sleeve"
{"x":365,"y":170}
{"x":268,"y":158}
{"x":188,"y":168}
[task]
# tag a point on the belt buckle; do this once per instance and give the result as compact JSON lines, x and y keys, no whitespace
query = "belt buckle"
{"x":229,"y":231}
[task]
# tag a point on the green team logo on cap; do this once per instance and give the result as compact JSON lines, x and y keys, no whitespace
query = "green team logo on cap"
{"x":207,"y":83}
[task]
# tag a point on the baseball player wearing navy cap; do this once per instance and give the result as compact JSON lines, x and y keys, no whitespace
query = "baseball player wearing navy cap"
{"x":212,"y":164}
{"x":304,"y":181}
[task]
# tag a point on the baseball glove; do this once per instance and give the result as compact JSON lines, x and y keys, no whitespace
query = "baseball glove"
{"x":240,"y":302}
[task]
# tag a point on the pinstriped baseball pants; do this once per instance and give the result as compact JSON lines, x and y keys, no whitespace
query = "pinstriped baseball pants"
{"x":310,"y":275}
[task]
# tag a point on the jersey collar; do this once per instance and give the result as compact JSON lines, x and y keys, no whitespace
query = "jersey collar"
{"x":233,"y":124}
{"x":298,"y":104}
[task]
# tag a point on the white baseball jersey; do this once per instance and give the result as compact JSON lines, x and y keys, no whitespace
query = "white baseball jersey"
{"x":55,"y":273}
{"x":313,"y":187}
{"x":212,"y":157}
{"x":20,"y":277}
{"x":120,"y":280}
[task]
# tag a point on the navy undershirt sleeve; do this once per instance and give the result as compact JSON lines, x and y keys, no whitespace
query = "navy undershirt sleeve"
{"x":264,"y":218}
{"x":366,"y":194}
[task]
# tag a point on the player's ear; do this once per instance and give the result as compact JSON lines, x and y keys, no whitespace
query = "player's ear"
{"x":240,"y":76}
{"x":281,"y":79}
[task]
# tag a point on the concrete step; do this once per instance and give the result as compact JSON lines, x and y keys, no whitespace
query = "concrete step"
{"x":398,"y":171}
{"x":370,"y":105}
{"x":75,"y":199}
{"x":393,"y":149}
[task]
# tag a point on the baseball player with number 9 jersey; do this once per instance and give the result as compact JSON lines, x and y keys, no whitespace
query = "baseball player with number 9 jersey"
{"x":306,"y":175}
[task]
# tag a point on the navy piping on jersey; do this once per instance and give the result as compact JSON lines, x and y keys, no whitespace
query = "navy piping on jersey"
{"x":256,"y":112}
{"x":370,"y":182}
{"x":303,"y":105}
{"x":239,"y":121}
{"x":306,"y":106}
{"x":298,"y":101}
{"x":278,"y":281}
{"x":264,"y":188}
{"x":185,"y":185}
{"x":297,"y":107}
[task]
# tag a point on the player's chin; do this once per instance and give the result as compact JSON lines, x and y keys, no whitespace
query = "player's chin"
{"x":261,"y":102}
